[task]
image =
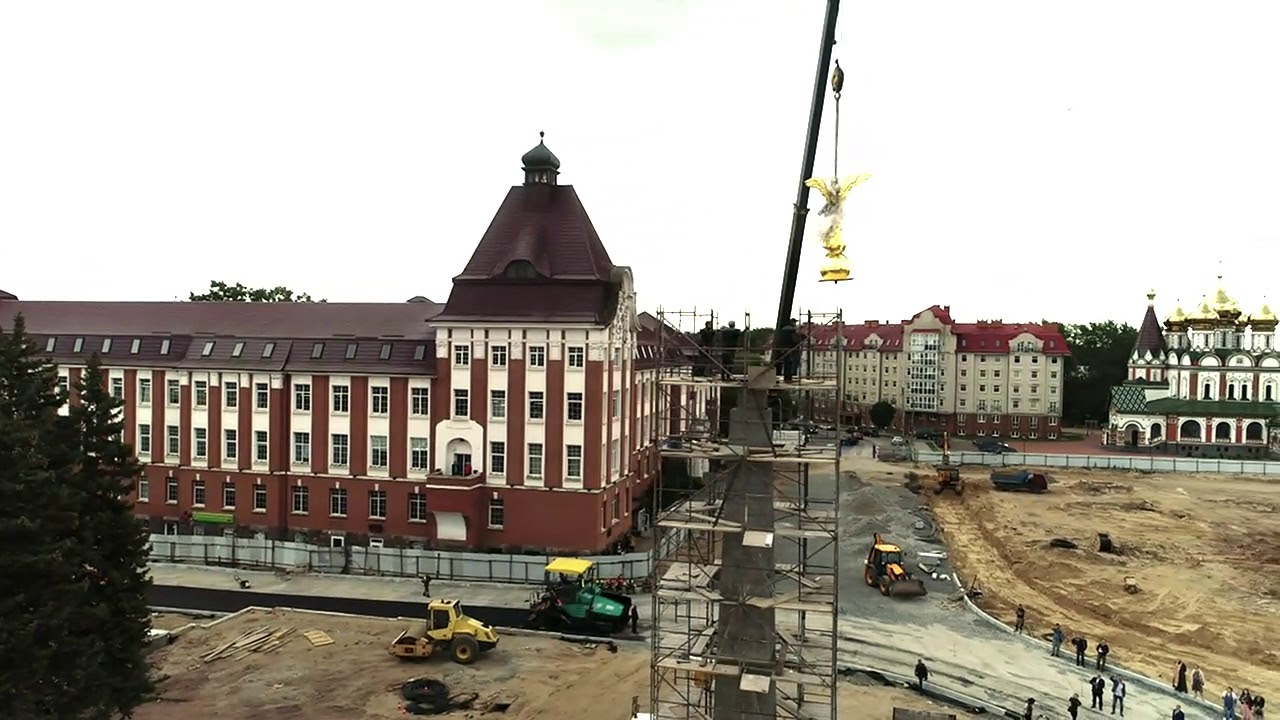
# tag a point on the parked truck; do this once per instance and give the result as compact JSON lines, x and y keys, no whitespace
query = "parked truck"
{"x":1020,"y":480}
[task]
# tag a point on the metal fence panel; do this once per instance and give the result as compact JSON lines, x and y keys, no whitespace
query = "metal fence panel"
{"x":1150,"y":463}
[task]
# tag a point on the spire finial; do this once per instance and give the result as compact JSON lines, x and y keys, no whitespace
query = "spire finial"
{"x":1151,"y":297}
{"x":541,"y":134}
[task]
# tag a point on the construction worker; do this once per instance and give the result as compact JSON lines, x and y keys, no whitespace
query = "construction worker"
{"x":635,"y":621}
{"x":426,"y":585}
{"x":786,"y":354}
{"x":706,"y":341}
{"x":1020,"y":619}
{"x":922,"y":673}
{"x":730,"y":340}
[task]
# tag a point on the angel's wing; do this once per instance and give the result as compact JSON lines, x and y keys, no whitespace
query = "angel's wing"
{"x":851,"y":183}
{"x":821,"y":186}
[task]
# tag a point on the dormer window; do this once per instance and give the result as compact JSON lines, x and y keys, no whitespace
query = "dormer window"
{"x":521,"y":270}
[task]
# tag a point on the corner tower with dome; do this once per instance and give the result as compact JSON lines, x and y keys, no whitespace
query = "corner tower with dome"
{"x":1201,"y":384}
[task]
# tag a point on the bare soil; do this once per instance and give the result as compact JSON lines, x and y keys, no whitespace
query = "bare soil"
{"x":1203,"y":549}
{"x":355,"y":679}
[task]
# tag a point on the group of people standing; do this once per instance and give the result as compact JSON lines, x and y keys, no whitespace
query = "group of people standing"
{"x":1242,"y":706}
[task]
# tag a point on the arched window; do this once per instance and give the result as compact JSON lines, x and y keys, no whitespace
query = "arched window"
{"x":1231,"y":391}
{"x":1270,"y":393}
{"x":1208,"y":391}
{"x":521,"y":270}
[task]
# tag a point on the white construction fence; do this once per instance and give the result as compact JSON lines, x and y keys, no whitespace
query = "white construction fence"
{"x":1151,"y":463}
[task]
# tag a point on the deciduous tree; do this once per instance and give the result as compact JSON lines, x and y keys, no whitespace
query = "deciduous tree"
{"x":883,"y":413}
{"x":224,"y":292}
{"x":1099,"y":361}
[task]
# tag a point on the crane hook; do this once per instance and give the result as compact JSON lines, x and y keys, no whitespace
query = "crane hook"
{"x":837,"y":80}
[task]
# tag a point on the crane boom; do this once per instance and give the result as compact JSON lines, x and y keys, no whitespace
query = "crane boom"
{"x":801,"y":209}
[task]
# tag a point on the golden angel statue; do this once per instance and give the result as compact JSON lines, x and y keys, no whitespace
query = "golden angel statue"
{"x":835,"y":267}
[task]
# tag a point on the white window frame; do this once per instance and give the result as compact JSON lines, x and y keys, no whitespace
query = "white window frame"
{"x":144,"y":490}
{"x":539,"y":456}
{"x":339,"y":502}
{"x":340,"y":399}
{"x":420,"y":449}
{"x":259,"y":493}
{"x":379,"y":452}
{"x":498,"y":404}
{"x":569,"y":402}
{"x":299,"y":500}
{"x":498,"y":457}
{"x":464,"y":397}
{"x":200,"y":393}
{"x":301,"y":448}
{"x":379,"y":400}
{"x":230,"y":444}
{"x":172,"y":440}
{"x":144,"y":391}
{"x":537,"y":357}
{"x":497,"y":514}
{"x":302,"y":397}
{"x":200,"y":443}
{"x":537,"y":399}
{"x":171,"y":490}
{"x":570,"y":460}
{"x":261,"y":442}
{"x":230,"y":394}
{"x":144,"y":438}
{"x":498,"y":355}
{"x":228,"y":495}
{"x":198,"y":493}
{"x":462,"y":354}
{"x":420,"y":402}
{"x":339,"y":451}
{"x":262,"y":396}
{"x":575,"y":357}
{"x":417,"y":508}
{"x":117,"y":388}
{"x":377,"y":504}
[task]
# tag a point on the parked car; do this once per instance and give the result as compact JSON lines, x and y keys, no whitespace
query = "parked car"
{"x":931,"y":435}
{"x":899,"y":440}
{"x":993,"y":446}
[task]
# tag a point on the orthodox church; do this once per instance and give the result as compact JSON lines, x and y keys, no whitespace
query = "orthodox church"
{"x":1203,"y":384}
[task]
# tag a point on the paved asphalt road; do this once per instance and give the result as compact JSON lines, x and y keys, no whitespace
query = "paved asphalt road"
{"x":229,"y":601}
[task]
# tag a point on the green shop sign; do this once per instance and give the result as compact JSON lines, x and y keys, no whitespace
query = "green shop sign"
{"x":214,"y":518}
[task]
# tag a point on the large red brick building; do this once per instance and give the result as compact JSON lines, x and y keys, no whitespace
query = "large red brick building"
{"x":518,"y":414}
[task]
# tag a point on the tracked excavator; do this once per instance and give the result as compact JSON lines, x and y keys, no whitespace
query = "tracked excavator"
{"x":886,"y":570}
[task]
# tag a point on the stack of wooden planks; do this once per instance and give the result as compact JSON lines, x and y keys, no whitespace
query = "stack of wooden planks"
{"x":264,"y":639}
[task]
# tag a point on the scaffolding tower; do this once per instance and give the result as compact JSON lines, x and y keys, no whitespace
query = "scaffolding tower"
{"x":746,"y":559}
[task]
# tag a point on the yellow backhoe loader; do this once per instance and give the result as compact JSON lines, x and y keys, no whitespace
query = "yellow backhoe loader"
{"x":886,"y":571}
{"x":447,"y":629}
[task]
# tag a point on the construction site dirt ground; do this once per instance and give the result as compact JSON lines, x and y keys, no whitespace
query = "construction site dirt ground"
{"x":1203,"y":549}
{"x":354,"y":678}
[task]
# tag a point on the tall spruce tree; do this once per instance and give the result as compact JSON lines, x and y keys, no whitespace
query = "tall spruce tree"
{"x":39,"y":517}
{"x":73,"y":616}
{"x":114,"y":547}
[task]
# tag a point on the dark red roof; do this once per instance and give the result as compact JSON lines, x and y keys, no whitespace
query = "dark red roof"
{"x":540,"y":260}
{"x":1150,"y":334}
{"x":659,"y":343}
{"x":369,"y":338}
{"x":980,"y":337}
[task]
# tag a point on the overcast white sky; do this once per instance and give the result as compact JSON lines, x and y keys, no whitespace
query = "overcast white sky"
{"x":1030,"y":159}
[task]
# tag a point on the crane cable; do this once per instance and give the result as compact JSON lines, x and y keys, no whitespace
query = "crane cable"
{"x":837,"y":85}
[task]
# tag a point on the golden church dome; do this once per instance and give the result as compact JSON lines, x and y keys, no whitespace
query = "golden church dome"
{"x":1203,"y":312}
{"x":1177,"y":316}
{"x":1265,"y":315}
{"x":1223,"y":304}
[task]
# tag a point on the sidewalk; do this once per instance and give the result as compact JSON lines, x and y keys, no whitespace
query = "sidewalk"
{"x":361,"y":586}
